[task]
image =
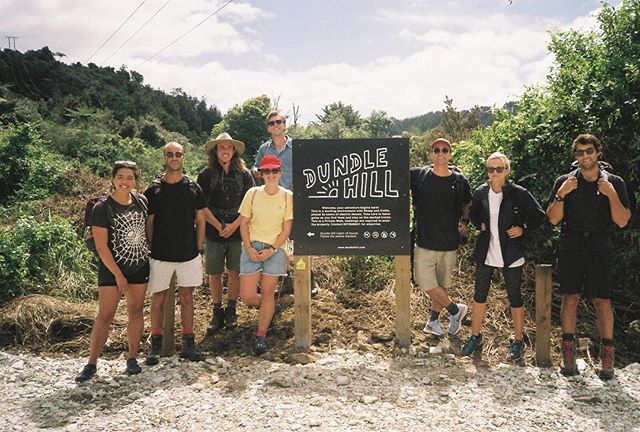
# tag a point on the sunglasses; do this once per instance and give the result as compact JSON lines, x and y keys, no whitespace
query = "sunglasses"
{"x":499,"y":170}
{"x":270,"y":171}
{"x":588,"y":151}
{"x":438,"y":150}
{"x":170,"y":155}
{"x":275,"y":122}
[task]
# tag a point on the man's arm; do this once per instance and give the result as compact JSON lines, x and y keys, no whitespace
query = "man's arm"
{"x":200,"y":228}
{"x":149,"y":228}
{"x":555,"y":210}
{"x":620,"y":214}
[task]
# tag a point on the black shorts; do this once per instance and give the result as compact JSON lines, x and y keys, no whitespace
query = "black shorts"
{"x":106,"y":278}
{"x":586,"y":272}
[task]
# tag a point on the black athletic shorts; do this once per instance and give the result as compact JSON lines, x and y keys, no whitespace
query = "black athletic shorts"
{"x":106,"y":278}
{"x":586,"y":272}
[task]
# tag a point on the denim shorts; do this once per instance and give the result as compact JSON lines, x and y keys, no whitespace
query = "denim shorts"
{"x":274,"y":266}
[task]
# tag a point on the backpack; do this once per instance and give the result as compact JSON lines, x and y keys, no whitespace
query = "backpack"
{"x":605,"y":169}
{"x":87,"y":234}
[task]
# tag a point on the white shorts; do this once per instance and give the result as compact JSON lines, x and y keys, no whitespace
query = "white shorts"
{"x":188,"y":274}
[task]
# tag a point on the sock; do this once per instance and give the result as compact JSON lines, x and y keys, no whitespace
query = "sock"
{"x":155,"y":331}
{"x":568,"y":336}
{"x":434,"y":316}
{"x":261,"y":333}
{"x":187,"y":331}
{"x":453,"y":308}
{"x":217,"y":306}
{"x":608,"y":342}
{"x":231,"y":304}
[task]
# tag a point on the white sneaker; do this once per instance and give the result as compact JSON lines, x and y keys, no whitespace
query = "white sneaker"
{"x":433,"y":327}
{"x":456,"y":320}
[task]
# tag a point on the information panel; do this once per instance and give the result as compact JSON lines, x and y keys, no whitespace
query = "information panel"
{"x":351,"y":196}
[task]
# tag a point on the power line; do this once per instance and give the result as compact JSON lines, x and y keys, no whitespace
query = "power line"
{"x":116,"y":31}
{"x":186,"y":33}
{"x":12,"y":38}
{"x":136,"y":32}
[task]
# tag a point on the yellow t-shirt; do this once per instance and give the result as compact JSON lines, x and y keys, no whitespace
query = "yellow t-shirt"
{"x":266,"y":213}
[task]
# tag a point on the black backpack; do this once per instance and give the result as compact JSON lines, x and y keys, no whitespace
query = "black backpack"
{"x":87,"y":234}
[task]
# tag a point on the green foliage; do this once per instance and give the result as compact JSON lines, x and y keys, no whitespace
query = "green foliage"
{"x":339,"y":110}
{"x":30,"y":171}
{"x":76,"y":92}
{"x":246,"y":123}
{"x":367,"y":273}
{"x":594,"y":87}
{"x":38,"y":257}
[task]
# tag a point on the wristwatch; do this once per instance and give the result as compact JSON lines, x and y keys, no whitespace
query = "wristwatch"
{"x":275,"y":249}
{"x":559,"y":198}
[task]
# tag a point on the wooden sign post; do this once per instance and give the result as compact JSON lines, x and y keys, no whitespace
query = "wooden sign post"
{"x":543,"y":315}
{"x":169,"y":320}
{"x":403,"y":301}
{"x":302,"y":298}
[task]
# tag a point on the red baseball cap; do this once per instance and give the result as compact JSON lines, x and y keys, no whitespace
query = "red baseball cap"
{"x":269,"y":162}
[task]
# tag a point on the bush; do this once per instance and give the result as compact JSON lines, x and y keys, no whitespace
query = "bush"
{"x":366,"y":273}
{"x":44,"y":258}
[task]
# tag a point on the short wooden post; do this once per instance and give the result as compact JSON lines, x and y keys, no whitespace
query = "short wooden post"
{"x":543,"y":315}
{"x":403,"y":301}
{"x":302,"y":301}
{"x":169,"y":320}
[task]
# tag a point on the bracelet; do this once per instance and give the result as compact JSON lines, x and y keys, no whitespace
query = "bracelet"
{"x":275,"y":249}
{"x":558,"y":198}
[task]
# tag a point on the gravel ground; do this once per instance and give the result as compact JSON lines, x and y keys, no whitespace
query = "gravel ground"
{"x":336,"y":391}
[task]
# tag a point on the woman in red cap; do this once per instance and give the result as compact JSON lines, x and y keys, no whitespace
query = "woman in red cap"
{"x":266,"y":216}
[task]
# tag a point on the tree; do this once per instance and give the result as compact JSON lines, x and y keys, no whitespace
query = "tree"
{"x":350,"y":116}
{"x":377,"y":125}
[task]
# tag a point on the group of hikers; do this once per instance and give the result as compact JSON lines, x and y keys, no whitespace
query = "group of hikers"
{"x":142,"y":240}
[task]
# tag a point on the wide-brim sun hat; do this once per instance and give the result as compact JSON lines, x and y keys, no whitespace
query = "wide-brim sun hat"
{"x":225,"y":138}
{"x":270,"y":162}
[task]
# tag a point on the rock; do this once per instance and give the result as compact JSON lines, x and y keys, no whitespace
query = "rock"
{"x":633,"y":368}
{"x":368,"y":400}
{"x":342,"y":380}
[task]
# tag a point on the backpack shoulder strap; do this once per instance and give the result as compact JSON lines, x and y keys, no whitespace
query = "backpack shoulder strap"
{"x":140,"y":202}
{"x":422,"y":176}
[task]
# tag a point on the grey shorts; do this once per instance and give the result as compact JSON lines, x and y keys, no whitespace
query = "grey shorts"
{"x":433,"y":268}
{"x":218,"y":253}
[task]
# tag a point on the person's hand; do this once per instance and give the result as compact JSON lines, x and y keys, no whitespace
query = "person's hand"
{"x":515,"y":231}
{"x":253,"y":254}
{"x":483,"y":227}
{"x":228,"y":230}
{"x":256,"y":173}
{"x":605,"y":187}
{"x":267,"y":253}
{"x":463,"y":228}
{"x":122,"y":283}
{"x":568,"y":186}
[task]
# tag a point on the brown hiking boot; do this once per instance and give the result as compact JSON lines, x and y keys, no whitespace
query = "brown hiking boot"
{"x":569,"y":353}
{"x":217,"y":321}
{"x":607,"y":357}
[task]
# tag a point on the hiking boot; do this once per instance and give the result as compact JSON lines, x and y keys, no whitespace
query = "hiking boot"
{"x":230,"y":318}
{"x":515,"y":350}
{"x":434,"y":328}
{"x":133,"y":368}
{"x":569,"y":350}
{"x":455,"y":321}
{"x":607,"y":357}
{"x":217,"y":321}
{"x":471,"y":345}
{"x":189,"y":349}
{"x":153,"y":358}
{"x":261,"y":345}
{"x":87,"y":373}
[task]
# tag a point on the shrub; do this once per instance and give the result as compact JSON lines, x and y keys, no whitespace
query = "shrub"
{"x":44,"y":257}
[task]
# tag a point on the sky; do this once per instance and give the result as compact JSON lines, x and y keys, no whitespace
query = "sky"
{"x":402,"y":56}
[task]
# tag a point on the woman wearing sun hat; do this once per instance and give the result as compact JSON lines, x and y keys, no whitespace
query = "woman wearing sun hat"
{"x":266,"y":216}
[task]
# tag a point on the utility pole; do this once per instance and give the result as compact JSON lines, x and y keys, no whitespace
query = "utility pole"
{"x":12,"y":38}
